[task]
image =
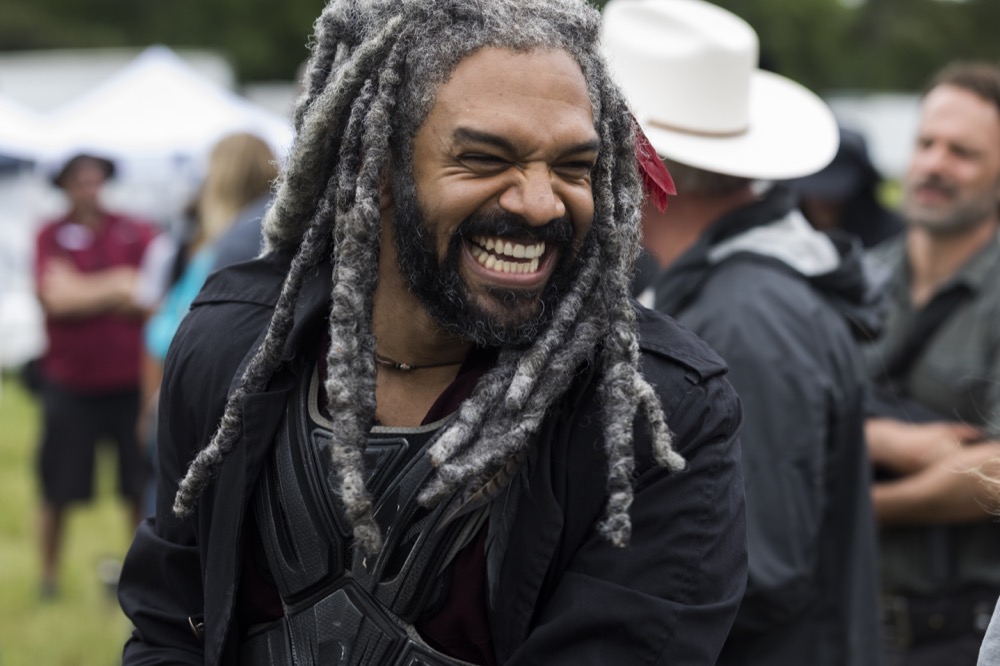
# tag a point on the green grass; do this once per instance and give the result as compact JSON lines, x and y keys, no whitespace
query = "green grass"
{"x":84,"y":625}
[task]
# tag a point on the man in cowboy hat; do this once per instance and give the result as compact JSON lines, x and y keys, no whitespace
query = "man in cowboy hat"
{"x":85,"y":269}
{"x":422,"y":428}
{"x":778,"y":300}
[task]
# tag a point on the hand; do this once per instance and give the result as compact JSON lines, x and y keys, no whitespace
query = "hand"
{"x":59,"y":276}
{"x":963,"y":487}
{"x":907,"y":448}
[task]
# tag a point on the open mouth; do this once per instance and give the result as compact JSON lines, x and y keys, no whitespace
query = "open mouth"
{"x":506,"y":256}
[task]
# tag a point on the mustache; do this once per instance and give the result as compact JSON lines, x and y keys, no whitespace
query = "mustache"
{"x":935,"y":183}
{"x":501,"y":223}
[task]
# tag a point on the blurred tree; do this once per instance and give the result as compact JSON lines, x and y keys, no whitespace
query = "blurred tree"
{"x":825,"y":44}
{"x":263,"y":39}
{"x":901,"y":43}
{"x":801,"y":39}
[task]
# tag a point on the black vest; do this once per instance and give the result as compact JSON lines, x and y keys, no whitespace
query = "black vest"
{"x":341,"y":607}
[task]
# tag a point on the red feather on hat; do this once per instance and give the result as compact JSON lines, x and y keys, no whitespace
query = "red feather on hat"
{"x":656,"y":179}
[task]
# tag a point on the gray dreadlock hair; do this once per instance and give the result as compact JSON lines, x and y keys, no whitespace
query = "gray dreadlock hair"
{"x":375,"y":69}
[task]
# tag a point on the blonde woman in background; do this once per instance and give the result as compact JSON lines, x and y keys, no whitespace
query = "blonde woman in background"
{"x":240,"y":170}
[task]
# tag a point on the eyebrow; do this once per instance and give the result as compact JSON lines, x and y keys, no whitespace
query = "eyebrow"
{"x":469,"y":135}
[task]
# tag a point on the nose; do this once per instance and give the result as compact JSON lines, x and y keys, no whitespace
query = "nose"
{"x":930,"y":159}
{"x":532,"y":196}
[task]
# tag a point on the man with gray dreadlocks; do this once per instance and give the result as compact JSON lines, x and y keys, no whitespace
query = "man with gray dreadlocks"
{"x":429,"y":426}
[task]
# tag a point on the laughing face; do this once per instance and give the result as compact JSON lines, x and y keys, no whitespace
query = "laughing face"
{"x":490,"y":225}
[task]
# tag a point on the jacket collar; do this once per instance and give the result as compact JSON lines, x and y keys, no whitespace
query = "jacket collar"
{"x":259,"y":282}
{"x":679,"y":283}
{"x":981,"y":271}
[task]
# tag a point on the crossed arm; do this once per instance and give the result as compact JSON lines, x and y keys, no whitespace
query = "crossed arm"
{"x":947,"y":472}
{"x":66,"y":292}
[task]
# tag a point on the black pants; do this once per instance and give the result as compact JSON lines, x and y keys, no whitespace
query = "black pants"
{"x":72,"y":425}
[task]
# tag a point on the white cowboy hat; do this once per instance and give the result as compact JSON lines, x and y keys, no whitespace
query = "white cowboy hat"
{"x":689,"y":71}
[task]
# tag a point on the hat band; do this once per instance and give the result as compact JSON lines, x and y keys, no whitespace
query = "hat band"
{"x":687,"y":130}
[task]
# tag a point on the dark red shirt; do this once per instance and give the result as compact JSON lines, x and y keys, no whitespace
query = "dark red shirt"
{"x":98,"y":353}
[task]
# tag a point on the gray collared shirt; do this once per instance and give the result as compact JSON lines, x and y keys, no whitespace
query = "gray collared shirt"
{"x":957,"y":375}
{"x":958,"y":371}
{"x":989,"y":653}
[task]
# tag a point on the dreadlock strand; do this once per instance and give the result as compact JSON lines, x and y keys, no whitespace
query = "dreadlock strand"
{"x":473,"y":412}
{"x":511,"y":431}
{"x":329,"y":46}
{"x":616,"y":395}
{"x":663,"y":448}
{"x":351,"y":369}
{"x":321,"y":131}
{"x":532,"y":365}
{"x":349,"y":162}
{"x":619,"y":360}
{"x":256,"y":375}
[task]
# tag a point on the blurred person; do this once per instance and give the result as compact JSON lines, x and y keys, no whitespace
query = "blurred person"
{"x":85,"y":270}
{"x":244,"y":240}
{"x":779,"y":301}
{"x":844,"y":194}
{"x":239,"y":174}
{"x":442,"y":443}
{"x":937,"y":370}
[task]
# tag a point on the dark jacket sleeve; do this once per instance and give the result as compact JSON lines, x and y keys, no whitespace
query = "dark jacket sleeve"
{"x":670,"y":596}
{"x":161,"y":581}
{"x":161,"y":586}
{"x":787,"y":390}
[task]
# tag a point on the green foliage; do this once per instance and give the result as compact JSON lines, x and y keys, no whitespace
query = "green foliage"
{"x":264,"y":39}
{"x":801,"y":39}
{"x":901,"y":43}
{"x":867,"y":44}
{"x":84,"y":626}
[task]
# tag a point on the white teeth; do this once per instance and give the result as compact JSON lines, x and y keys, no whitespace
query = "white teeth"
{"x":509,"y":248}
{"x":487,"y":251}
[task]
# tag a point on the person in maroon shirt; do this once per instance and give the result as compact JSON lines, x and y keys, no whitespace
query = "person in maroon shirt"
{"x":85,"y":269}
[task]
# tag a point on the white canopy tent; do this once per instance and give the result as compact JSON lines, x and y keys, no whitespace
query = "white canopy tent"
{"x":21,"y":131}
{"x":158,"y":118}
{"x":157,"y":106}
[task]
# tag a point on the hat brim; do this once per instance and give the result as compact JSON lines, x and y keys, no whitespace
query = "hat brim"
{"x":839,"y":180}
{"x":106,"y":165}
{"x":791,"y":133}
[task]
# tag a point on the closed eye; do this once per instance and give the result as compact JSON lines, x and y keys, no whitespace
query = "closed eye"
{"x":484,"y":162}
{"x":575,"y":170}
